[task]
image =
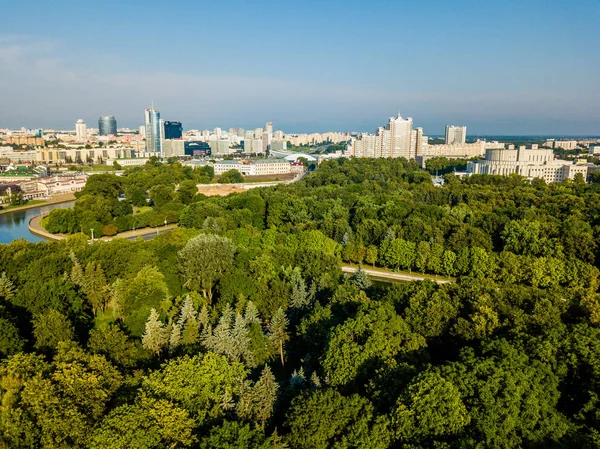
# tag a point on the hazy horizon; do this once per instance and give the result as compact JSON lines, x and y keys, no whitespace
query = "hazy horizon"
{"x":526,"y":68}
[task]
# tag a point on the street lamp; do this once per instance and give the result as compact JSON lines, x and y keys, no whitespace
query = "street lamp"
{"x":165,"y":224}
{"x":92,"y":229}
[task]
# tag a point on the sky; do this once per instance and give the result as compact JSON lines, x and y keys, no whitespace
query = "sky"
{"x":500,"y":67}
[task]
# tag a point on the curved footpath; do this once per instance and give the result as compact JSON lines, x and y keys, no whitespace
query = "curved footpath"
{"x":35,"y":227}
{"x":381,"y":274}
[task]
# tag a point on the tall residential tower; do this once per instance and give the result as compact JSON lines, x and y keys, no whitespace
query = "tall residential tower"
{"x":81,"y":131}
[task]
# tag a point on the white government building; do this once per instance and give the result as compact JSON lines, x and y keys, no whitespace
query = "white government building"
{"x":530,"y":163}
{"x":255,"y":168}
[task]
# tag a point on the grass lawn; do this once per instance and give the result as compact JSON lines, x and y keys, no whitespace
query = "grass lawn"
{"x":142,"y":209}
{"x":97,"y":168}
{"x":28,"y":203}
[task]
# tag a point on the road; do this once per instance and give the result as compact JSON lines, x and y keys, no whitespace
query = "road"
{"x":380,"y":274}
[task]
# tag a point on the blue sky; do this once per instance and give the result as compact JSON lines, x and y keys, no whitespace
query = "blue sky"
{"x":499,"y":67}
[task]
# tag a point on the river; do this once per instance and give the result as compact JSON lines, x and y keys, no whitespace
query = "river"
{"x":14,"y":225}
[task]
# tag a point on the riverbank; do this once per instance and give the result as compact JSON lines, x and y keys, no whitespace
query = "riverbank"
{"x":35,"y":227}
{"x":57,"y":199}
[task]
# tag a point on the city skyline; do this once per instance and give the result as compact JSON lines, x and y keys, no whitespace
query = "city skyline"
{"x":310,"y":67}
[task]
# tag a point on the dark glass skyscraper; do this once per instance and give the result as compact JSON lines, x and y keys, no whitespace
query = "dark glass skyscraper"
{"x":107,"y":125}
{"x":173,"y":130}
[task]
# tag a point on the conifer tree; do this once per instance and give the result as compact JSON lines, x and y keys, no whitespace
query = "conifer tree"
{"x":278,"y":332}
{"x":361,"y":278}
{"x":175,"y":338}
{"x":156,"y":335}
{"x":7,"y":288}
{"x":298,"y":297}
{"x":251,"y":314}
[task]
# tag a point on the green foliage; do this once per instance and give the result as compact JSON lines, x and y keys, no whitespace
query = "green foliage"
{"x":231,"y":177}
{"x":204,"y":260}
{"x":135,"y":297}
{"x":326,"y":419}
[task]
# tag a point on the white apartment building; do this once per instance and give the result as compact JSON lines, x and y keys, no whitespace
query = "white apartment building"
{"x":530,"y":163}
{"x":594,"y":149}
{"x":456,"y":134}
{"x":18,"y":156}
{"x":457,"y":150}
{"x":76,"y":155}
{"x":564,"y":144}
{"x":253,"y":145}
{"x":396,"y":139}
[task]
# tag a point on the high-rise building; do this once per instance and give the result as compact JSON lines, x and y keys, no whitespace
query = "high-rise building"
{"x":396,"y":139}
{"x":456,"y":134}
{"x":269,"y":128}
{"x":81,"y":131}
{"x":173,"y":130}
{"x":107,"y":125}
{"x":153,"y":131}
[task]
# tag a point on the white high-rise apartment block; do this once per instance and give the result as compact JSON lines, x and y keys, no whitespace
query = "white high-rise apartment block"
{"x":397,"y":139}
{"x":456,"y":134}
{"x":269,"y":127}
{"x":81,"y":131}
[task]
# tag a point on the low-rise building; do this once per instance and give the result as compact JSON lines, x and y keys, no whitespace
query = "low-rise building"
{"x":255,"y":168}
{"x":128,"y":162}
{"x":530,"y":163}
{"x":82,"y":155}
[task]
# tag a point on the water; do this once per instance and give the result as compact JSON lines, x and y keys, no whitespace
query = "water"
{"x":14,"y":225}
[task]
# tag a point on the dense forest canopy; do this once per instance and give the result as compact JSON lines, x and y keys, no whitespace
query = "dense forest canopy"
{"x":238,"y":329}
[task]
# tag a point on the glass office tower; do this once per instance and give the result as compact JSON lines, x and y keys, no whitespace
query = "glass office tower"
{"x":107,"y":125}
{"x":153,"y":131}
{"x":173,"y":130}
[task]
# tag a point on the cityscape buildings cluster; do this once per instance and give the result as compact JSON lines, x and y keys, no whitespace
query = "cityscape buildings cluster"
{"x":166,"y":138}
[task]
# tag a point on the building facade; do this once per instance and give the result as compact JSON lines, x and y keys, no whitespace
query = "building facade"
{"x":530,"y":163}
{"x":107,"y":126}
{"x":396,"y":139}
{"x":255,"y":168}
{"x":153,"y":131}
{"x":81,"y":131}
{"x":172,"y":130}
{"x":456,"y":134}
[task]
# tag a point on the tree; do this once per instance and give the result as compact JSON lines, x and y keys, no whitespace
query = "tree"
{"x":51,"y":328}
{"x":325,"y":418}
{"x":235,"y":435}
{"x":203,"y":385}
{"x":257,"y":402}
{"x":111,"y":342}
{"x":374,"y":336}
{"x":187,"y":191}
{"x":371,"y":255}
{"x":278,"y":332}
{"x":156,"y":335}
{"x":231,"y":177}
{"x":161,"y":195}
{"x":431,"y":407}
{"x":299,"y":296}
{"x":204,"y":260}
{"x":134,"y":298}
{"x":361,"y":278}
{"x":55,"y":405}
